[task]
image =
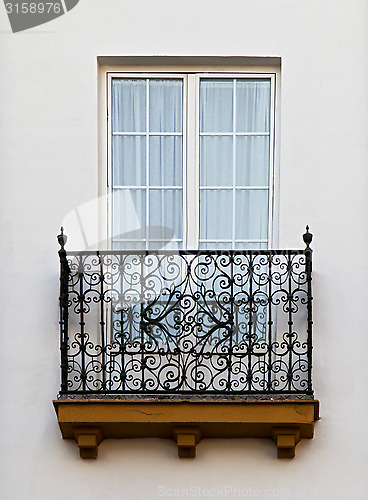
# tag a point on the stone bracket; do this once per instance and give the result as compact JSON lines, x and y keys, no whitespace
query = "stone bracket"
{"x":286,"y":439}
{"x":88,"y":439}
{"x":187,"y":439}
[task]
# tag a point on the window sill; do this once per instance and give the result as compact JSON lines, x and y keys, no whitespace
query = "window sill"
{"x":89,"y":421}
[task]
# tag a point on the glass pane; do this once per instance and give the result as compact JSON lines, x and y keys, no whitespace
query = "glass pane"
{"x":166,"y":161}
{"x":129,"y":160}
{"x":253,"y":99}
{"x":216,"y":161}
{"x":242,"y":245}
{"x":165,"y":105}
{"x":128,"y":245}
{"x":165,"y":245}
{"x":252,"y":160}
{"x":128,"y":105}
{"x":166,"y":214}
{"x":129,"y":214}
{"x":215,"y":245}
{"x":215,"y":214}
{"x":251,"y":214}
{"x":216,"y":105}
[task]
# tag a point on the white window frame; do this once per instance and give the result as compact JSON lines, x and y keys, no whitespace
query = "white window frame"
{"x":191,"y":191}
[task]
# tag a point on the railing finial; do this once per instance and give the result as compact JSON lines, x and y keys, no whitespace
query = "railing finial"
{"x":62,"y":238}
{"x":307,"y":237}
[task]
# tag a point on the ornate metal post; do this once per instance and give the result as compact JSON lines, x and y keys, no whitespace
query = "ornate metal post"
{"x":307,"y":238}
{"x":64,"y":314}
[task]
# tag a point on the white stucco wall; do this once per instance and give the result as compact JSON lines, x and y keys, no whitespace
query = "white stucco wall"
{"x":49,"y":161}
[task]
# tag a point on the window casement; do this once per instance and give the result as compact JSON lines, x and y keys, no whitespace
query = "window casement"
{"x":191,"y":160}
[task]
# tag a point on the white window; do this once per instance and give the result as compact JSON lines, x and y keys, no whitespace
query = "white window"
{"x":191,"y":160}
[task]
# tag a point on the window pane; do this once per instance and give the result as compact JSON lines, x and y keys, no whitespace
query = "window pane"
{"x":128,"y":245}
{"x":165,"y":212}
{"x":253,"y":98}
{"x":129,"y":160}
{"x":243,"y":245}
{"x":252,"y":160}
{"x":165,"y":105}
{"x":166,"y":161}
{"x":216,"y":105}
{"x":158,"y":212}
{"x":215,"y":245}
{"x":251,"y":214}
{"x":250,"y":103}
{"x":215,"y":214}
{"x":216,"y":161}
{"x":129,"y":214}
{"x":128,"y":105}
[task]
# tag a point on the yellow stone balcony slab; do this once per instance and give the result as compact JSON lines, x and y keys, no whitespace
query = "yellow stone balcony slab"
{"x":90,"y":421}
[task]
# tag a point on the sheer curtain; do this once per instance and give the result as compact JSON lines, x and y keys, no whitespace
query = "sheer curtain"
{"x":147,"y":161}
{"x":234,"y":163}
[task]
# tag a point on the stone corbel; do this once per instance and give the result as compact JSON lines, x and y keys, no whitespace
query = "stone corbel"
{"x":88,"y":439}
{"x":187,"y":439}
{"x":286,"y":439}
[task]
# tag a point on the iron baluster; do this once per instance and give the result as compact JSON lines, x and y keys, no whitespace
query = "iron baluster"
{"x":102,"y":322}
{"x":187,"y":284}
{"x":83,"y":374}
{"x":290,"y":323}
{"x":142,"y":323}
{"x":129,"y":328}
{"x":307,"y":238}
{"x":122,"y":348}
{"x":231,"y":320}
{"x":269,"y":322}
{"x":64,"y":312}
{"x":250,"y":323}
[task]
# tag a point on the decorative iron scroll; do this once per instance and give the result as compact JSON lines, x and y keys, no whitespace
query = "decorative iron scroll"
{"x":201,"y":322}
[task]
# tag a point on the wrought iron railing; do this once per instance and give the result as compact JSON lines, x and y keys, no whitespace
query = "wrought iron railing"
{"x":191,"y":322}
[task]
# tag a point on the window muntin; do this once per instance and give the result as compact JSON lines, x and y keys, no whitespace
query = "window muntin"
{"x":207,"y":181}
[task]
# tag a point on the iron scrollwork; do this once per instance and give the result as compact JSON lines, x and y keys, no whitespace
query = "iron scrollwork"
{"x":191,"y":322}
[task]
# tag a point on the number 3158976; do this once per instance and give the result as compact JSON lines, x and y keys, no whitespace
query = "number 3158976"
{"x":33,"y":8}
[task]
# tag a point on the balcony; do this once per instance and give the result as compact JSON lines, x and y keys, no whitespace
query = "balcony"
{"x":186,"y":345}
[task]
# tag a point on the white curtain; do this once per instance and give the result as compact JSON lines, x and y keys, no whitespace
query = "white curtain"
{"x":234,"y":162}
{"x":147,"y":152}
